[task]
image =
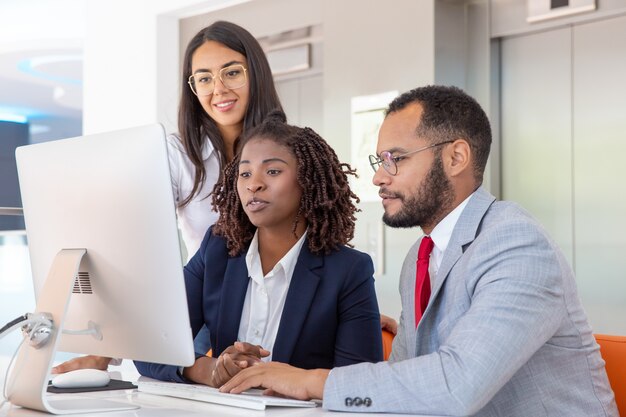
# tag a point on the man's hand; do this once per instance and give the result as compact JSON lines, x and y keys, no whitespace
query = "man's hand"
{"x":387,"y":323}
{"x":233,"y":359}
{"x":84,"y":362}
{"x":280,"y":378}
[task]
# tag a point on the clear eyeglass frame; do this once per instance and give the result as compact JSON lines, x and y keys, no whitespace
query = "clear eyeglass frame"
{"x":232,"y":77}
{"x":390,"y":162}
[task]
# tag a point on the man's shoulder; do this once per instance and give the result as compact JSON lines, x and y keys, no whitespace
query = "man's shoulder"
{"x":508,"y":228}
{"x":510,"y":216}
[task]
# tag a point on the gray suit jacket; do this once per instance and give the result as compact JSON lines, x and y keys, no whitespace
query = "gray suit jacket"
{"x":504,"y":333}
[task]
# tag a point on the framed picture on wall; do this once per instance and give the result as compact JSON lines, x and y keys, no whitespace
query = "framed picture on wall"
{"x":539,"y":10}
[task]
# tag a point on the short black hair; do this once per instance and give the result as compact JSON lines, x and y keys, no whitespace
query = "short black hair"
{"x":450,"y":114}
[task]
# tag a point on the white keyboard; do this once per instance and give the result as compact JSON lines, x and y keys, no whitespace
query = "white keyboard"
{"x":252,"y":399}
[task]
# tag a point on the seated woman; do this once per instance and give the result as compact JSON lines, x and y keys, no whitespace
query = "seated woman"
{"x":275,"y":271}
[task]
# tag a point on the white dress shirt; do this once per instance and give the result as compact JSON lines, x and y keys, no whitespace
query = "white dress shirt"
{"x":195,"y":218}
{"x":265,"y":297}
{"x":441,"y":235}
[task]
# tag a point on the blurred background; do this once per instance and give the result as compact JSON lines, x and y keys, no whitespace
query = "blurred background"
{"x":549,"y":73}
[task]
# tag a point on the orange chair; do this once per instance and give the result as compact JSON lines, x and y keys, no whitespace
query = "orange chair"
{"x":613,"y":350}
{"x":387,"y":342}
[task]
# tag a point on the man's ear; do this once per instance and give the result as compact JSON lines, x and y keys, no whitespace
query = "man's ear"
{"x":458,"y":157}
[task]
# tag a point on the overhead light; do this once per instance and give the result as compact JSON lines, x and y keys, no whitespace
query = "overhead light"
{"x":29,"y":66}
{"x":18,"y":114}
{"x":12,"y":117}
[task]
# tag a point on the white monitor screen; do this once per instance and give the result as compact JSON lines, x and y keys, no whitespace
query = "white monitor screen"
{"x":111,"y":194}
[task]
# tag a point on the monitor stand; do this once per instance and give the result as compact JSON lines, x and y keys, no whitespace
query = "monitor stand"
{"x":28,"y":381}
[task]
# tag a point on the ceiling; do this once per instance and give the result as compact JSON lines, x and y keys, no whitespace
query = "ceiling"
{"x":41,"y":66}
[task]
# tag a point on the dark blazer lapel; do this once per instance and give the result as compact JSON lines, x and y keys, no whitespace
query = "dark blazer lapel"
{"x":233,"y":296}
{"x":300,"y":295}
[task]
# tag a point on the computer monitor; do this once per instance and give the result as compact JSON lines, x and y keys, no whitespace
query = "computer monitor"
{"x":101,"y":225}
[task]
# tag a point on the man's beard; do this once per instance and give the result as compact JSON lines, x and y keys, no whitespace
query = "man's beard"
{"x":423,"y":208}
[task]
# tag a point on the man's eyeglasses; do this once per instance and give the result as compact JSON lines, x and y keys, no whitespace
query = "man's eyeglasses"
{"x":203,"y":83}
{"x":390,"y":162}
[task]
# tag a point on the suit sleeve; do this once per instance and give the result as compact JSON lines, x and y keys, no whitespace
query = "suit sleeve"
{"x":358,"y":334}
{"x":194,"y":279}
{"x":514,"y":280}
{"x":399,"y":348}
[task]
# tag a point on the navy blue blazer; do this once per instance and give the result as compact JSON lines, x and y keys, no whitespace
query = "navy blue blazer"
{"x":330,"y":317}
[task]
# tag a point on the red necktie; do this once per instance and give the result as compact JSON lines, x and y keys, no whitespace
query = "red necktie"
{"x":422,"y":277}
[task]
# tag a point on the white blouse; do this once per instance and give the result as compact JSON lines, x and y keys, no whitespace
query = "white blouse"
{"x":265,"y":296}
{"x":195,"y":218}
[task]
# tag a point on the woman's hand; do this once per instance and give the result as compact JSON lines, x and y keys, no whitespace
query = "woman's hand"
{"x":84,"y":362}
{"x":235,"y":358}
{"x":387,"y":323}
{"x":215,"y":372}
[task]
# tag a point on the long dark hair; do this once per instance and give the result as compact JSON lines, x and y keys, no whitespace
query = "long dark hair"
{"x":194,"y":124}
{"x":328,"y":203}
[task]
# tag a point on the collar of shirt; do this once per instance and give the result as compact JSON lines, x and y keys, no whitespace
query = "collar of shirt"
{"x":442,"y":233}
{"x":287,"y":263}
{"x":207,"y":149}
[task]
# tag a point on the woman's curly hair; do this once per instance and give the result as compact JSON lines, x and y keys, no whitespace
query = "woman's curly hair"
{"x":328,"y":203}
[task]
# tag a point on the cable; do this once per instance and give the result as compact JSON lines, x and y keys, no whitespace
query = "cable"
{"x":13,"y":322}
{"x":6,"y":375}
{"x":31,"y":322}
{"x":92,"y":329}
{"x":33,"y":325}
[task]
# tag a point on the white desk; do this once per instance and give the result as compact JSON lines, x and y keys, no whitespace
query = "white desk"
{"x":158,"y":406}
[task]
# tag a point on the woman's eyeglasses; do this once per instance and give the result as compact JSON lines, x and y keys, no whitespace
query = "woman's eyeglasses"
{"x":203,"y":83}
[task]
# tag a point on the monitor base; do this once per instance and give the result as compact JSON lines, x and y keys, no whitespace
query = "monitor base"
{"x":86,"y":405}
{"x":29,"y":377}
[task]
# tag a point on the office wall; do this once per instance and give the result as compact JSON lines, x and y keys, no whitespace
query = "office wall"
{"x":563,"y":95}
{"x":465,"y":57}
{"x":131,"y":61}
{"x":386,"y":46}
{"x":508,"y":17}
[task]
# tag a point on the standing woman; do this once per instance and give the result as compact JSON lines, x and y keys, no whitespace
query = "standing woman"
{"x":227,"y":88}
